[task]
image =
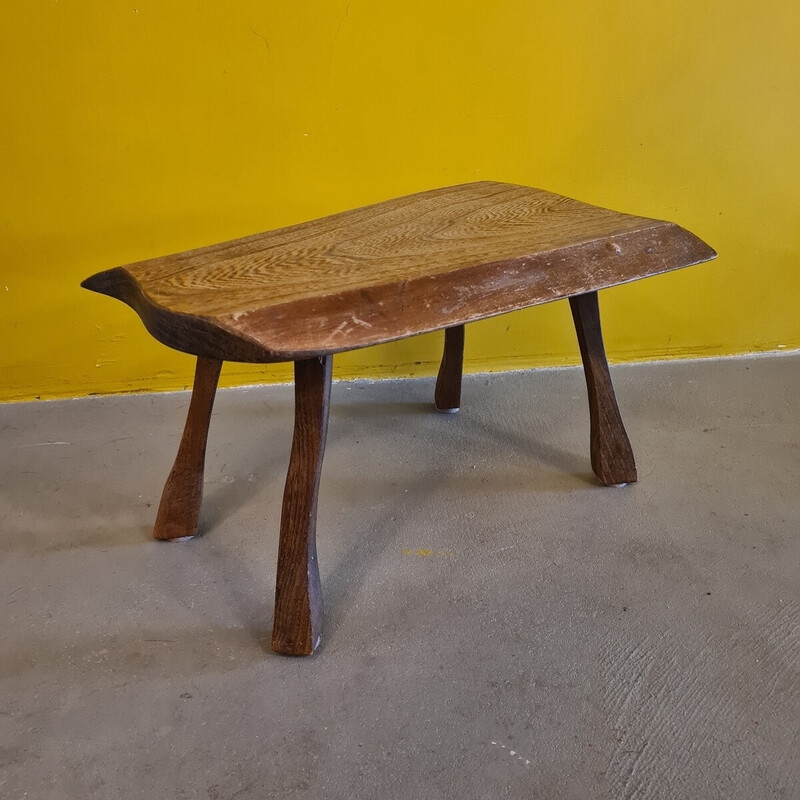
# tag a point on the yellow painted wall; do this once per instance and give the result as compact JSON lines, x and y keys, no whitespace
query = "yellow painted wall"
{"x":134,"y":129}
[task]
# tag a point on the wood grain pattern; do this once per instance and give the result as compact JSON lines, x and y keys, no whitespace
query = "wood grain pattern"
{"x":179,"y":509}
{"x":447,"y":397}
{"x":611,"y":453}
{"x":298,"y":596}
{"x":431,"y":260}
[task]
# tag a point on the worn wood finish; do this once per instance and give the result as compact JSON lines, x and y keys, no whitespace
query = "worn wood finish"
{"x":432,"y":260}
{"x":447,"y":397}
{"x":179,"y":509}
{"x":298,"y":597}
{"x":611,"y":453}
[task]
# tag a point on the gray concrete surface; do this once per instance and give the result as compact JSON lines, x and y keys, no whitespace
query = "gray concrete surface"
{"x":497,"y":625}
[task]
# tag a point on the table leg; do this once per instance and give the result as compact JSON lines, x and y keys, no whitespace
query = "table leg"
{"x":179,"y":509}
{"x":612,"y":456}
{"x":298,"y":596}
{"x":447,"y":397}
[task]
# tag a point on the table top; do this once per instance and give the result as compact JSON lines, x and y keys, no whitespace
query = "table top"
{"x":390,"y":270}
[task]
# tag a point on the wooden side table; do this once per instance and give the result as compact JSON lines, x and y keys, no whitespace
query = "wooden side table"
{"x":429,"y":261}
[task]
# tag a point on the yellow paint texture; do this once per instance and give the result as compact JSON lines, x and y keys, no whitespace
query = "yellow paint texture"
{"x":136,"y":129}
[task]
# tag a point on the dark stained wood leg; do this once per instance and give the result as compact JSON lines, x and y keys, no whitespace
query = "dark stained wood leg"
{"x":180,"y":501}
{"x":298,"y":596}
{"x":612,"y":456}
{"x":447,"y":397}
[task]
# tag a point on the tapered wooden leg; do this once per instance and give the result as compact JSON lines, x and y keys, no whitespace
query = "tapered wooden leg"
{"x":180,"y":502}
{"x":298,"y":596}
{"x":612,"y":456}
{"x":447,"y":397}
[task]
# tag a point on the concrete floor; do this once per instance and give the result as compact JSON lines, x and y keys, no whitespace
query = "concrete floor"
{"x":497,"y":624}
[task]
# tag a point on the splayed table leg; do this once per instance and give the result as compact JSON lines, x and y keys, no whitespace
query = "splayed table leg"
{"x":298,"y":596}
{"x":447,"y":397}
{"x":179,"y":509}
{"x":612,"y":456}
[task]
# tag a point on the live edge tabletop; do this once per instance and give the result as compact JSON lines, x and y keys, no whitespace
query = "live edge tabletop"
{"x":398,"y":268}
{"x":434,"y":260}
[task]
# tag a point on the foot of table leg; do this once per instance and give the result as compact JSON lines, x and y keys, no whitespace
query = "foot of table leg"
{"x":612,"y":456}
{"x":447,"y":397}
{"x":180,"y":501}
{"x":298,"y":596}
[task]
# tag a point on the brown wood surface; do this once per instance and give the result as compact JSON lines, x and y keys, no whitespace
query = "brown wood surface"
{"x":447,"y":396}
{"x":298,"y":597}
{"x":611,"y":453}
{"x":431,"y":260}
{"x":179,"y":509}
